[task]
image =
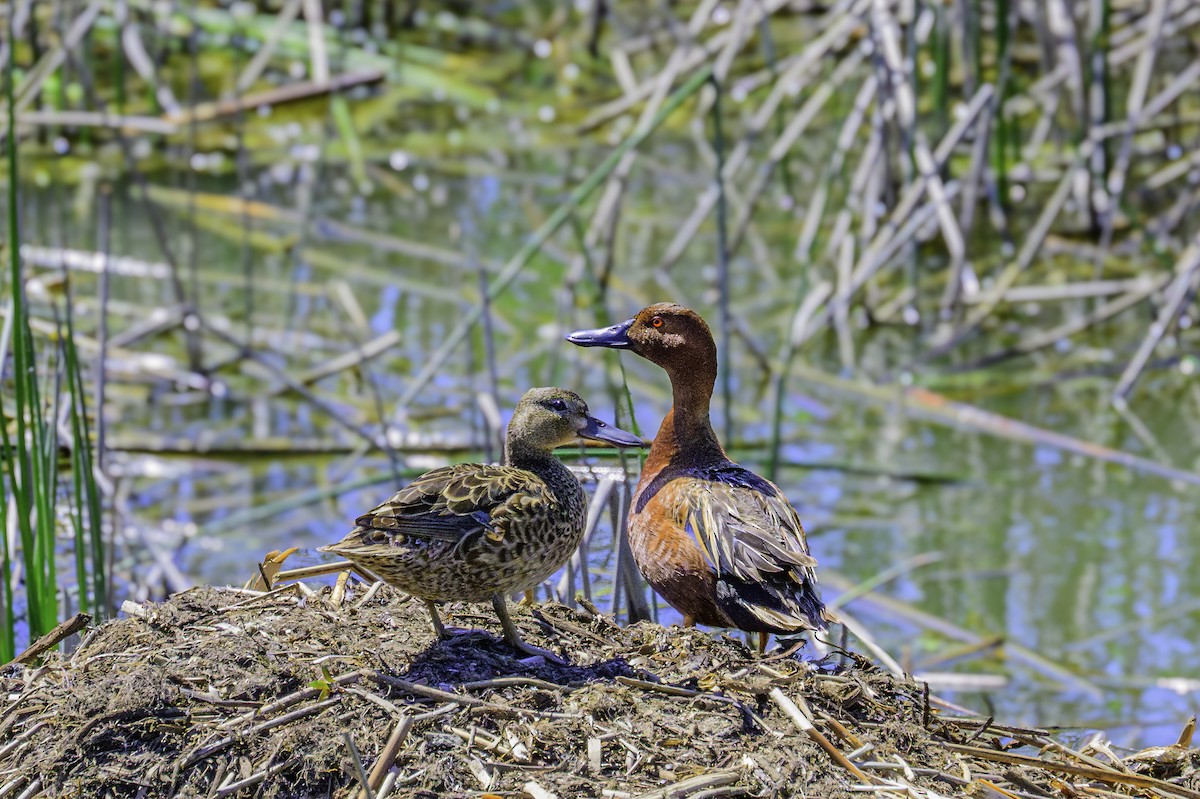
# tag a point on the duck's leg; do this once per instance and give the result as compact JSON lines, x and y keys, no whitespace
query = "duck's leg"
{"x":514,"y":638}
{"x":689,"y":621}
{"x":530,"y":597}
{"x":439,"y":629}
{"x":762,"y":642}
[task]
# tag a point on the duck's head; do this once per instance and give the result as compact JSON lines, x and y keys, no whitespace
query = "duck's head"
{"x":672,"y":336}
{"x":546,"y":418}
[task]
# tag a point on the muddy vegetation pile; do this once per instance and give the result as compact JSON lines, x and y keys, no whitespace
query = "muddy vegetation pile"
{"x":343,"y":692}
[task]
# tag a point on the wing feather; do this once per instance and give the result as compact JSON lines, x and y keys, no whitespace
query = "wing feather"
{"x":456,"y":501}
{"x":744,"y":532}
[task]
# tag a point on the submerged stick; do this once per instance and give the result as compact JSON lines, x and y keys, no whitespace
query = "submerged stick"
{"x":959,"y":414}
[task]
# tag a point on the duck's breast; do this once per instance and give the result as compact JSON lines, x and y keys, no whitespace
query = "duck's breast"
{"x":668,"y":556}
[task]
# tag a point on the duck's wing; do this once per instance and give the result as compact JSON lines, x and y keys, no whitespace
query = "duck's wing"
{"x":454,"y":502}
{"x":753,"y":539}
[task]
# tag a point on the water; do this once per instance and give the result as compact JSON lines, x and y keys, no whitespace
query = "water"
{"x":1089,"y":566}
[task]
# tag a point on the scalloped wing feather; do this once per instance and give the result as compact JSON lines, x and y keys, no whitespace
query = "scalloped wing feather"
{"x":745,"y":533}
{"x":454,"y":502}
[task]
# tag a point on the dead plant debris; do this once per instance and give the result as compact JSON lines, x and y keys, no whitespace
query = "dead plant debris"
{"x":222,"y":692}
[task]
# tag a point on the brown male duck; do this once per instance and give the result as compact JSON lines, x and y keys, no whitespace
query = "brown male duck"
{"x":472,"y":531}
{"x":721,"y":544}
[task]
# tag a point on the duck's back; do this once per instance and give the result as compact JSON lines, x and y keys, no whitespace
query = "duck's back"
{"x":470,"y":531}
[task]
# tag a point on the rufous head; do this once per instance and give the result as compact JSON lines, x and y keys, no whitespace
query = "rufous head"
{"x":672,"y":336}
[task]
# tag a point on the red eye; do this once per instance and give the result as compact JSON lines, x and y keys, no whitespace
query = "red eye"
{"x":657,"y":321}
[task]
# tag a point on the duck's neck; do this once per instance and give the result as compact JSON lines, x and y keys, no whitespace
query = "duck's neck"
{"x":687,"y":431}
{"x":538,"y":460}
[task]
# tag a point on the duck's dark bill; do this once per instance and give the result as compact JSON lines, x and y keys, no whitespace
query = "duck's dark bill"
{"x":600,"y":431}
{"x":615,"y":337}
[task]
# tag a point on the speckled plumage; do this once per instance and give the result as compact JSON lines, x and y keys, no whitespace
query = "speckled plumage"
{"x":475,"y":531}
{"x":469,"y":531}
{"x":720,"y":543}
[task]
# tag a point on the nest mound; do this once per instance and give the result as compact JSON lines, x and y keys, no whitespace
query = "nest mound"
{"x":295,"y":693}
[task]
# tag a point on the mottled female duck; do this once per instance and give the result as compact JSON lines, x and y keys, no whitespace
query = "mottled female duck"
{"x":473,"y":531}
{"x":721,"y":544}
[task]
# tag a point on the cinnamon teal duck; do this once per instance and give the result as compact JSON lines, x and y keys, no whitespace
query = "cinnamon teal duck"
{"x":720,"y":543}
{"x":474,"y":531}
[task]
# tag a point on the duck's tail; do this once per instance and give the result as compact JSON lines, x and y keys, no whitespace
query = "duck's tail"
{"x":779,"y":606}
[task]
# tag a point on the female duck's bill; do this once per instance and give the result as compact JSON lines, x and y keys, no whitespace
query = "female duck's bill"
{"x":597,"y":430}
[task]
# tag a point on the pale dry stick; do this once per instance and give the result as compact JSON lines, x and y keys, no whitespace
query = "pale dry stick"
{"x":867,"y":91}
{"x":482,"y":739}
{"x":388,"y":756}
{"x":305,"y":572}
{"x":303,"y":90}
{"x":373,"y":698}
{"x":1046,"y":124}
{"x":96,"y":119}
{"x":579,"y":559}
{"x":341,"y":363}
{"x":466,"y":701}
{"x":859,"y":630}
{"x":389,"y":783}
{"x":316,"y":40}
{"x":290,"y":699}
{"x":1183,"y":286}
{"x":951,"y":233}
{"x":33,"y":789}
{"x":20,"y":16}
{"x":606,"y":208}
{"x":743,"y":24}
{"x":900,"y":223}
{"x":697,"y":57}
{"x":841,"y":310}
{"x":1163,"y":225}
{"x":949,"y":337}
{"x":254,"y":779}
{"x":332,"y":229}
{"x":899,"y":79}
{"x":1117,"y":56}
{"x":309,"y":397}
{"x":283,"y":18}
{"x":27,"y":91}
{"x":1170,"y":93}
{"x":1079,"y":290}
{"x":143,"y":64}
{"x":1110,"y":194}
{"x":369,"y":595}
{"x":877,"y":261}
{"x":1142,"y":432}
{"x":792,"y":132}
{"x":258,"y":597}
{"x":805,"y":725}
{"x":973,"y":185}
{"x":207,"y":751}
{"x":701,"y":783}
{"x":869,"y":180}
{"x":1101,"y":775}
{"x":1067,"y":329}
{"x":786,"y":84}
{"x":1169,"y":173}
